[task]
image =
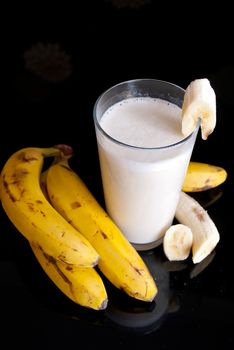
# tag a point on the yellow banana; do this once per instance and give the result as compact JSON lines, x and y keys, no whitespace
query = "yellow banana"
{"x":32,"y":214}
{"x":203,"y":176}
{"x":83,"y":285}
{"x":119,"y":261}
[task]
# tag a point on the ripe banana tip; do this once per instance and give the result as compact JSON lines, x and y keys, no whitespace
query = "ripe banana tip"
{"x":96,"y":262}
{"x":103,"y":305}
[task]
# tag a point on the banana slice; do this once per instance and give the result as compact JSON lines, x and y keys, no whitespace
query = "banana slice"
{"x":177,"y":242}
{"x":205,"y":234}
{"x":199,"y":103}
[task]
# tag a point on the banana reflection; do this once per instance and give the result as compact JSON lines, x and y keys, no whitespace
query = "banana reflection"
{"x":131,"y":314}
{"x":171,"y":277}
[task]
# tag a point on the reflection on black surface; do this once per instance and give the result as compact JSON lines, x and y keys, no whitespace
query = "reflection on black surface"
{"x":123,"y":313}
{"x":198,"y":268}
{"x":209,"y":197}
{"x":141,"y":316}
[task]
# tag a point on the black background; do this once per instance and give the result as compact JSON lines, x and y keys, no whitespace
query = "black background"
{"x":108,"y":44}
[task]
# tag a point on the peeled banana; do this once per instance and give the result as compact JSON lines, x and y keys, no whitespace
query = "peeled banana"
{"x":83,"y":285}
{"x":203,"y":176}
{"x":205,"y":233}
{"x":199,"y":103}
{"x":119,"y":261}
{"x":32,"y":214}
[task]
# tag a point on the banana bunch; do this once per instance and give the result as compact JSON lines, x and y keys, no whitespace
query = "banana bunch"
{"x":63,"y":252}
{"x":202,"y":176}
{"x":119,"y":261}
{"x":69,"y":254}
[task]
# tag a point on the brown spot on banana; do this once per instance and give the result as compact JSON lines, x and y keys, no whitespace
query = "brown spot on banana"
{"x":69,"y":268}
{"x":53,"y":261}
{"x":7,"y":189}
{"x":136,"y":269}
{"x":23,"y":172}
{"x":48,"y":257}
{"x":27,"y":157}
{"x":15,"y":182}
{"x":62,"y":258}
{"x":199,"y":213}
{"x":75,"y":205}
{"x":31,"y":206}
{"x":103,"y":235}
{"x":64,"y":277}
{"x":19,"y":174}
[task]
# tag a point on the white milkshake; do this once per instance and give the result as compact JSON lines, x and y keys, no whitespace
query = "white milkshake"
{"x":142,"y":177}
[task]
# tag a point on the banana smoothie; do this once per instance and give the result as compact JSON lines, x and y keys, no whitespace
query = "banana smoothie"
{"x":143,"y":159}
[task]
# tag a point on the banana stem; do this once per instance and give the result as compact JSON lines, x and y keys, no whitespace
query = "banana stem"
{"x":66,"y":150}
{"x":60,"y":150}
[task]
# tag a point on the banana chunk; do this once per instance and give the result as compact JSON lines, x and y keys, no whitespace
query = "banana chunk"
{"x":205,"y":233}
{"x":199,"y":103}
{"x":177,"y":242}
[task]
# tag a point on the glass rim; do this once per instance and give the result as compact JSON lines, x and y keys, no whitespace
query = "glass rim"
{"x":125,"y":145}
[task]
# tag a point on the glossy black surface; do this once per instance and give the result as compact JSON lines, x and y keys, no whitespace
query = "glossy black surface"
{"x":195,"y":304}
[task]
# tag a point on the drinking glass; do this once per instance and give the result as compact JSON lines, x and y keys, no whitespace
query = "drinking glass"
{"x":141,"y":184}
